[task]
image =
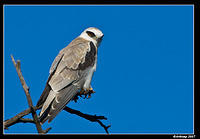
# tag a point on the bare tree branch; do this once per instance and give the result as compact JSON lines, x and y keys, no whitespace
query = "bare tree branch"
{"x":19,"y":117}
{"x":92,"y":118}
{"x":15,"y":119}
{"x":28,"y":97}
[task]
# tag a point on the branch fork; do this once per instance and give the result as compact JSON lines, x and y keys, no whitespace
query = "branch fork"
{"x":19,"y":117}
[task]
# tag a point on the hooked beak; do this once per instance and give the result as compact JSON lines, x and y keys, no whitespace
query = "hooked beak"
{"x":100,"y":39}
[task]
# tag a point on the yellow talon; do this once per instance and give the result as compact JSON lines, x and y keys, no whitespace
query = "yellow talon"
{"x":87,"y":91}
{"x":91,"y":90}
{"x":82,"y":91}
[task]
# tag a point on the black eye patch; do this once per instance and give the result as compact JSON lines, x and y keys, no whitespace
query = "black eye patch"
{"x":91,"y":34}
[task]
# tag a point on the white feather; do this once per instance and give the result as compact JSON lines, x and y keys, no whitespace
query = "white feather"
{"x":88,"y":78}
{"x":49,"y":99}
{"x":86,"y":37}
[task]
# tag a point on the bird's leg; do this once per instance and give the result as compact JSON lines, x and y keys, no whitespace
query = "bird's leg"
{"x":81,"y":91}
{"x":87,"y":92}
{"x":91,"y":91}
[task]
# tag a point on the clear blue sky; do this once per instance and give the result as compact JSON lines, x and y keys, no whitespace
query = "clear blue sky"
{"x":144,"y":77}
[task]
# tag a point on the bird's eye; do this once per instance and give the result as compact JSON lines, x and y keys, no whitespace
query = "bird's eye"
{"x":91,"y":34}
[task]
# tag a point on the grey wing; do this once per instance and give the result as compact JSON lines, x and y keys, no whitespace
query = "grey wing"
{"x":47,"y":88}
{"x":56,"y":62}
{"x":58,"y":103}
{"x":65,"y":73}
{"x":67,"y":70}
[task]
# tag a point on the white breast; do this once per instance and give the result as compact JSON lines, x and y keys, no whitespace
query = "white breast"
{"x":89,"y":75}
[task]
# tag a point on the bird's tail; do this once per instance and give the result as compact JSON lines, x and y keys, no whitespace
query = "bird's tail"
{"x":44,"y":95}
{"x":55,"y":102}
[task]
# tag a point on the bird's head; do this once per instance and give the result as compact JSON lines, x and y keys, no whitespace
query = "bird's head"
{"x":92,"y":34}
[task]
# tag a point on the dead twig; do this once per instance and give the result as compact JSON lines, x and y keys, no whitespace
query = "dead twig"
{"x":15,"y":119}
{"x":19,"y":117}
{"x":28,"y":97}
{"x":92,"y":118}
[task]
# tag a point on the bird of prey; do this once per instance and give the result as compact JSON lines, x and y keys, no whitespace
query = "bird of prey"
{"x":71,"y":71}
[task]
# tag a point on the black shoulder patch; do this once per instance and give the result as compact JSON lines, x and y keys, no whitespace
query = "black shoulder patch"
{"x":89,"y":58}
